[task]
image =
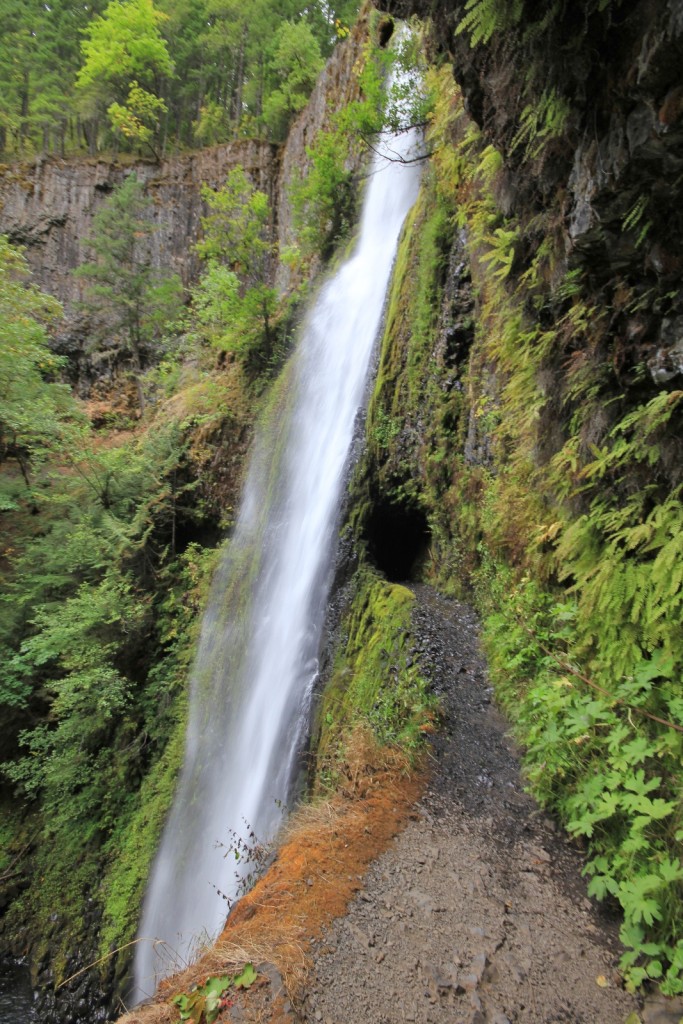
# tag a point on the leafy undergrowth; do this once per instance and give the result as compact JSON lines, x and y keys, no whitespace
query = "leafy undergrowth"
{"x":203,"y":1003}
{"x":324,"y":849}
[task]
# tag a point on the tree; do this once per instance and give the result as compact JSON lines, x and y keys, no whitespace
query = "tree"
{"x":130,"y":72}
{"x":125,"y":60}
{"x":234,"y":301}
{"x":33,"y":402}
{"x":130,"y":301}
{"x":295,"y":65}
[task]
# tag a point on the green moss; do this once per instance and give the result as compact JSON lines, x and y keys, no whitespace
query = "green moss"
{"x":132,"y":848}
{"x":413,"y":310}
{"x":375,"y":680}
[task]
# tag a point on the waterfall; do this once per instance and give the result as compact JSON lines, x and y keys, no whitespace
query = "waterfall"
{"x":256,"y":665}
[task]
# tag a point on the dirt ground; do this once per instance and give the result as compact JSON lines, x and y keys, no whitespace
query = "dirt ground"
{"x":475,"y":913}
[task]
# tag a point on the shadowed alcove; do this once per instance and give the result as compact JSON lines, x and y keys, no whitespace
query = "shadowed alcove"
{"x":398,"y":536}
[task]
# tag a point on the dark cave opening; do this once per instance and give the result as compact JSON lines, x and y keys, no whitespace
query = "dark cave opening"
{"x":398,"y":537}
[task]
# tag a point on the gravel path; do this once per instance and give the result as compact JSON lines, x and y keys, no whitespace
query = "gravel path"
{"x":477,"y":913}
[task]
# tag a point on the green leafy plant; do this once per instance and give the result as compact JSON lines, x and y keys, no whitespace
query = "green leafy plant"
{"x":324,"y":197}
{"x":541,"y":121}
{"x":484,"y":17}
{"x":375,"y":679}
{"x":203,"y":1004}
{"x":234,"y":302}
{"x":573,"y":550}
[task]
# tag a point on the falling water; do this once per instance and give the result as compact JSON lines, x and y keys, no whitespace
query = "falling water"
{"x":256,"y":665}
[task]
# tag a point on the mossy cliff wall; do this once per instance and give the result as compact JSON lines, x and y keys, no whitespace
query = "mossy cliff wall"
{"x":524,"y":436}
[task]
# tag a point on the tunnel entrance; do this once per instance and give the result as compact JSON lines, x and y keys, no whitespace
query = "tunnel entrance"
{"x":398,"y":537}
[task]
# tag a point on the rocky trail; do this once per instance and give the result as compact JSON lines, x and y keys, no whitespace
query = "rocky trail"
{"x":477,"y":913}
{"x":474,"y":913}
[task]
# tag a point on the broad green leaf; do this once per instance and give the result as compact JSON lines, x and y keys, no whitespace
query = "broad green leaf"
{"x":246,"y":977}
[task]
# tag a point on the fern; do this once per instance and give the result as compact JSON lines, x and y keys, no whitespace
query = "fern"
{"x":485,"y":17}
{"x":542,"y":120}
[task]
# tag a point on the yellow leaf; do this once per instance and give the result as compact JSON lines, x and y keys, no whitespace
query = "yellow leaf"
{"x":602,"y":981}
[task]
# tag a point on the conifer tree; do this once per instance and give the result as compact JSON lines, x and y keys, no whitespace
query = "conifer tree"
{"x":128,"y":299}
{"x":33,"y":402}
{"x":234,"y":300}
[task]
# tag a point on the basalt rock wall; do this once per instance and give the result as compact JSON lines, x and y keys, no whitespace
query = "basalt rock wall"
{"x":608,"y":170}
{"x":48,"y":206}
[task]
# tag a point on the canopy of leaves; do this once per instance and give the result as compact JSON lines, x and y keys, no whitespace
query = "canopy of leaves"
{"x":234,"y":301}
{"x":122,"y":44}
{"x":132,"y":74}
{"x":294,"y":66}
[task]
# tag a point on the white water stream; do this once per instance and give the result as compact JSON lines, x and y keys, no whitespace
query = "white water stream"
{"x":256,"y":664}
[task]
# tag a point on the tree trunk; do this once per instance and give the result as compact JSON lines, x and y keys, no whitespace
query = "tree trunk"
{"x":137,"y":366}
{"x":90,"y":134}
{"x":23,"y":129}
{"x":239,"y":81}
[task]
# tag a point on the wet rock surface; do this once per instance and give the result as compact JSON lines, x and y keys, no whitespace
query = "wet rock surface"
{"x":477,"y":913}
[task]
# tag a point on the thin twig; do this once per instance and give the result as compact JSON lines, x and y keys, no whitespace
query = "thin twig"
{"x":101,"y":960}
{"x":10,"y":872}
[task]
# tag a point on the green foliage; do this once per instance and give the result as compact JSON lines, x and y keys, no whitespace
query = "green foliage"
{"x":138,"y":119}
{"x":130,"y":74}
{"x":212,"y":125}
{"x":634,"y":219}
{"x":39,"y":56}
{"x":34,"y":404}
{"x":324,"y":198}
{"x":124,"y":42}
{"x":295,"y":64}
{"x":588,"y":672}
{"x":573,"y":550}
{"x":412,"y":416}
{"x":129,"y":301}
{"x":234,"y":301}
{"x":124,"y":55}
{"x":203,"y":1004}
{"x":605,"y":753}
{"x":75,"y":650}
{"x":82,"y":617}
{"x":237,"y":229}
{"x":323,"y":201}
{"x":134,"y":839}
{"x":485,"y":17}
{"x":541,"y":121}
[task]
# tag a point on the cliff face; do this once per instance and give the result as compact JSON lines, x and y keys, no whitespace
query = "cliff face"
{"x":336,"y":87}
{"x":592,"y":135}
{"x":49,"y":206}
{"x":531,"y":429}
